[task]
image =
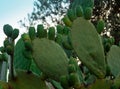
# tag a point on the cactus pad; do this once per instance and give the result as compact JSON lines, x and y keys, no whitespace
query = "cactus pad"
{"x":27,"y":81}
{"x":50,"y":58}
{"x":88,"y":46}
{"x":113,"y":59}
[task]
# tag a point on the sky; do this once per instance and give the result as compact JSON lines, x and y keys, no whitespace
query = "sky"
{"x":11,"y":11}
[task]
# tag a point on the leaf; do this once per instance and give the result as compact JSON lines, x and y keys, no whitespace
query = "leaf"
{"x":113,"y":60}
{"x":27,"y":81}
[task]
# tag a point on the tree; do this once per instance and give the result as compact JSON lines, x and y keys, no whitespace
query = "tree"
{"x":46,"y":12}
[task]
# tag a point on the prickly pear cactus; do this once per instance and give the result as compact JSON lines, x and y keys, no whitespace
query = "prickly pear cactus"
{"x":27,"y":81}
{"x":113,"y":60}
{"x":50,"y":58}
{"x":88,"y":46}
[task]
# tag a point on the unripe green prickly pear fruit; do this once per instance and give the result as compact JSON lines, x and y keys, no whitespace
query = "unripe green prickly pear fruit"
{"x":32,"y":33}
{"x":2,"y":49}
{"x":88,"y":13}
{"x":59,"y":29}
{"x":71,"y":14}
{"x":51,"y":33}
{"x":79,"y":11}
{"x":9,"y":49}
{"x":15,"y":33}
{"x":28,"y":45}
{"x":64,"y":81}
{"x":71,"y":68}
{"x":40,"y":31}
{"x":100,"y":26}
{"x":66,"y":30}
{"x":67,"y":45}
{"x":8,"y":30}
{"x":6,"y":42}
{"x":67,"y":21}
{"x":58,"y":39}
{"x":73,"y":61}
{"x":74,"y":79}
{"x":25,"y":36}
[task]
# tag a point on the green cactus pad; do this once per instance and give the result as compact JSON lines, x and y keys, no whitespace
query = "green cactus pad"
{"x":8,"y":30}
{"x":113,"y":60}
{"x":32,"y":33}
{"x":15,"y":33}
{"x":20,"y":61}
{"x":88,"y":46}
{"x":27,"y":81}
{"x":50,"y":58}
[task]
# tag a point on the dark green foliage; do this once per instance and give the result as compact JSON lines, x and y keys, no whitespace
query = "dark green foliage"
{"x":88,"y":13}
{"x":32,"y":33}
{"x":71,"y":14}
{"x":51,"y":33}
{"x":79,"y":11}
{"x":67,"y":21}
{"x":100,"y":26}
{"x":8,"y":30}
{"x":15,"y":33}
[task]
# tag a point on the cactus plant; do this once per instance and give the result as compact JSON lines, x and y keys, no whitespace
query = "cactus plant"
{"x":45,"y":58}
{"x":85,"y":41}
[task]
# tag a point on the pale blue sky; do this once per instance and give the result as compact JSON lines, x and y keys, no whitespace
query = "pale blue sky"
{"x":11,"y":11}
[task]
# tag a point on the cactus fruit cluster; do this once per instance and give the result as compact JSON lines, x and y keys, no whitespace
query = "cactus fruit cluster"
{"x":73,"y":55}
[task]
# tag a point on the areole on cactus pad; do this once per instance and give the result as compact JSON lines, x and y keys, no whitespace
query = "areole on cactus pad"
{"x":50,"y":58}
{"x":88,"y":46}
